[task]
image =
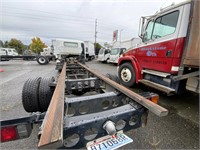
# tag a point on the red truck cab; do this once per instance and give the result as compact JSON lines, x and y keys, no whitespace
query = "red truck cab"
{"x":158,"y":61}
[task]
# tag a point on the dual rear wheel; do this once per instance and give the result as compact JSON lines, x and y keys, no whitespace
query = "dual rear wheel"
{"x":37,"y":94}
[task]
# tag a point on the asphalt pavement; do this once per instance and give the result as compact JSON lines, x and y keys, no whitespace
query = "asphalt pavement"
{"x":178,"y":130}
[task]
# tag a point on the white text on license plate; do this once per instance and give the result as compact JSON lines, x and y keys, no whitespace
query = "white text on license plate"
{"x":109,"y":143}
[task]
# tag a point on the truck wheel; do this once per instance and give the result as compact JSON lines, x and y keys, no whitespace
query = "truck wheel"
{"x":107,"y":61}
{"x":126,"y":74}
{"x":30,"y":95}
{"x":47,"y":60}
{"x":42,"y":60}
{"x":45,"y":93}
{"x":113,"y":77}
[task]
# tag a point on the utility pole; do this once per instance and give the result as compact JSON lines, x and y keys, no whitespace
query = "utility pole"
{"x":95,"y":35}
{"x":120,"y":37}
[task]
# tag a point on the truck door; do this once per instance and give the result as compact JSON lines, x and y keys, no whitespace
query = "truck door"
{"x":159,"y":41}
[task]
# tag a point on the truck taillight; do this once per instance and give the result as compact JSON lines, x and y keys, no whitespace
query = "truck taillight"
{"x":151,"y":96}
{"x":8,"y":134}
{"x":155,"y":99}
{"x":15,"y":132}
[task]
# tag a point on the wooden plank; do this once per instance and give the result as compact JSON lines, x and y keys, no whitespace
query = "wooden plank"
{"x":154,"y":108}
{"x":193,"y":46}
{"x":52,"y":126}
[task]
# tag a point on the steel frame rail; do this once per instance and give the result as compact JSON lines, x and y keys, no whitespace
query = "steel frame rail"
{"x":154,"y":108}
{"x":57,"y":127}
{"x":52,"y":126}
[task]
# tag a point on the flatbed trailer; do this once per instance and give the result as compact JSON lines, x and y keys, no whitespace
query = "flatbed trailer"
{"x":78,"y":107}
{"x":42,"y":60}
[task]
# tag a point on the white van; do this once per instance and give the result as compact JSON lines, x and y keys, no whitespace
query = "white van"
{"x":67,"y":48}
{"x":115,"y":54}
{"x":104,"y":54}
{"x":11,"y":51}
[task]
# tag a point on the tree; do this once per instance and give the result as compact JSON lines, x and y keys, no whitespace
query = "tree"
{"x":5,"y":44}
{"x":97,"y":48}
{"x":17,"y":44}
{"x":1,"y":43}
{"x":37,"y":45}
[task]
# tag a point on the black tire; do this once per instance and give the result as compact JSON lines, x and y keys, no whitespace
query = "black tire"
{"x":47,"y":60}
{"x":107,"y":61}
{"x":126,"y":74}
{"x":113,"y":77}
{"x":42,"y":60}
{"x":45,"y":93}
{"x":30,"y":95}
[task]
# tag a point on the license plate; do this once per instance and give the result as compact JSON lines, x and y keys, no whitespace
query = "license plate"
{"x":109,"y":142}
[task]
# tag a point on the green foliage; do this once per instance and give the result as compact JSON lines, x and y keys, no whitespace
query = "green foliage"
{"x":97,"y":48}
{"x":5,"y":44}
{"x":17,"y":44}
{"x":1,"y":43}
{"x":37,"y":45}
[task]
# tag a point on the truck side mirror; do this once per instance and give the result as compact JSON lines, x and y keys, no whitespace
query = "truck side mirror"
{"x":141,"y":27}
{"x":144,"y":37}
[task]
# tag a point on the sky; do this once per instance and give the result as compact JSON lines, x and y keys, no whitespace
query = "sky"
{"x":74,"y":19}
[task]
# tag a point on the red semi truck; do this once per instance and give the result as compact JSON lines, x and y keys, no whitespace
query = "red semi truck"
{"x":167,"y":59}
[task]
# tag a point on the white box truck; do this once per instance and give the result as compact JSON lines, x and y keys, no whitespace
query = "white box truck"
{"x":66,"y":48}
{"x":89,"y":50}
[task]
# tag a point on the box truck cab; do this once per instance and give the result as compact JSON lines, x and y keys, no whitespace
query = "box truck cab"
{"x":168,"y":56}
{"x":3,"y":53}
{"x":47,"y":51}
{"x":115,"y":54}
{"x":104,"y":54}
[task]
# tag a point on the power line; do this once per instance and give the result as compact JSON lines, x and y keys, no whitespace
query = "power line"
{"x":59,"y":14}
{"x":89,"y":19}
{"x":45,"y":18}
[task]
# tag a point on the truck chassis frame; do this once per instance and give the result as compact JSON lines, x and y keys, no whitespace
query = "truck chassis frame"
{"x":71,"y":121}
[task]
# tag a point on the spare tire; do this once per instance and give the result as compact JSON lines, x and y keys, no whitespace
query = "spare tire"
{"x":45,"y":92}
{"x":30,"y":95}
{"x":42,"y":60}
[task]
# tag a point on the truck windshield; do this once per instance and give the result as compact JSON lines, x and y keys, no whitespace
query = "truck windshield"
{"x":70,"y":44}
{"x":101,"y":51}
{"x":114,"y":51}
